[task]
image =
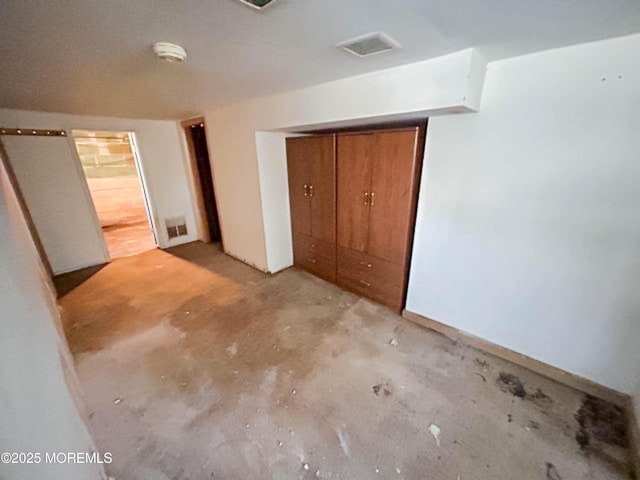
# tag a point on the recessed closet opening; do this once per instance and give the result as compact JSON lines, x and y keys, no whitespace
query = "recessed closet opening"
{"x":353,"y":196}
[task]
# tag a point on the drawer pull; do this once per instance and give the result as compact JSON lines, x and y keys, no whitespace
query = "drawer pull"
{"x":313,"y":260}
{"x":366,"y":284}
{"x":367,"y":264}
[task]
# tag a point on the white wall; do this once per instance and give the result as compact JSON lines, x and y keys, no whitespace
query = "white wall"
{"x":271,"y":149}
{"x":247,"y":172}
{"x":61,"y":210}
{"x":164,"y":166}
{"x":528,"y":231}
{"x":38,"y":411}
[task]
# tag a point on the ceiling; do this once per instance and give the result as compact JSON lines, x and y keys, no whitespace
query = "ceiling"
{"x":94,"y":56}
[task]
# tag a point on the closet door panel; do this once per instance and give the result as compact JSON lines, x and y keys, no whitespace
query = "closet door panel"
{"x":354,"y":182}
{"x":323,"y":187}
{"x":299,"y":171}
{"x":392,"y":187}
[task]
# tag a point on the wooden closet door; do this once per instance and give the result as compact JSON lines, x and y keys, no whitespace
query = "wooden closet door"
{"x":323,"y":187}
{"x":392,"y":186}
{"x":299,"y":154}
{"x":354,"y":182}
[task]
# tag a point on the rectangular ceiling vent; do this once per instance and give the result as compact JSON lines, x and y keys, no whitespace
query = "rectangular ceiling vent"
{"x":369,"y":44}
{"x":257,"y":4}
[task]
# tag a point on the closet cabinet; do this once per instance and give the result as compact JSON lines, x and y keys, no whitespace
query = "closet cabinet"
{"x":311,"y":164}
{"x":353,"y":199}
{"x":377,"y":186}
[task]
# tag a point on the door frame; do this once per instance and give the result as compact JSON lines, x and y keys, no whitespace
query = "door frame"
{"x":148,"y":206}
{"x":198,"y":198}
{"x":87,"y":191}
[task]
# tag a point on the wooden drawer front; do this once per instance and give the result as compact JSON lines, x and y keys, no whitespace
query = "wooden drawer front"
{"x":316,"y":256}
{"x":371,"y":277}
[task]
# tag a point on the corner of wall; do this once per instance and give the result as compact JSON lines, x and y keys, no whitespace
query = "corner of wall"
{"x":274,"y":194}
{"x":475,"y":84}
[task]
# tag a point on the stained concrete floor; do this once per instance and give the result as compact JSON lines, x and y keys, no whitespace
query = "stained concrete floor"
{"x":196,"y":366}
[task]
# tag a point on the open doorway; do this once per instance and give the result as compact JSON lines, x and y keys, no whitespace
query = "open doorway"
{"x":110,"y":164}
{"x":194,"y":130}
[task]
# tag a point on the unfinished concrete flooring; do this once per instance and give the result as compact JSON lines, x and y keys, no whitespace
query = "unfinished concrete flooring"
{"x":196,"y":366}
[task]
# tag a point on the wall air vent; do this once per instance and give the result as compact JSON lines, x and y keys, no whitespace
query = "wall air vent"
{"x":176,"y":227}
{"x":369,"y":44}
{"x":257,"y":4}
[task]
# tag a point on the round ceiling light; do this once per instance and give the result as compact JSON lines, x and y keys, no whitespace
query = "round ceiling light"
{"x":169,"y":52}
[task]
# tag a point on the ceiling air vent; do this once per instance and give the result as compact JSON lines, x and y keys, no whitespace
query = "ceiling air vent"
{"x":369,"y":44}
{"x":257,"y":4}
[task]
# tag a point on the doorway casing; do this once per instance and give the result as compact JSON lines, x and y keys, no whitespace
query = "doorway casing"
{"x":197,"y":182}
{"x":140,"y":174}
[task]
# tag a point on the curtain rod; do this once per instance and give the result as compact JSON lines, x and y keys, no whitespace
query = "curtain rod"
{"x":32,"y":132}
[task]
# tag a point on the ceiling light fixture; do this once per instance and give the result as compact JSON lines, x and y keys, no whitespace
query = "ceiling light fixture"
{"x":257,"y":4}
{"x":169,"y":52}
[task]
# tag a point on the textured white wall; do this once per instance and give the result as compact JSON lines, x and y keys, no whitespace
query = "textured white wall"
{"x":246,"y":173}
{"x":61,"y":209}
{"x":38,"y":411}
{"x":528,"y":228}
{"x":271,"y":149}
{"x":164,"y":166}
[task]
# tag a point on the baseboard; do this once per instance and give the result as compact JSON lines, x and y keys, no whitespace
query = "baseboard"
{"x":574,"y":381}
{"x":245,"y":261}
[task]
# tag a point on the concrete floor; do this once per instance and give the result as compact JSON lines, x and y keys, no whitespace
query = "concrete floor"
{"x":196,"y":366}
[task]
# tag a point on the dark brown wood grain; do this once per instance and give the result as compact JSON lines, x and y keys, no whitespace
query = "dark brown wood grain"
{"x":322,"y":188}
{"x":375,"y":183}
{"x":371,"y":277}
{"x":311,"y":162}
{"x":354,"y":184}
{"x":299,"y":171}
{"x":316,"y":256}
{"x":393,"y":171}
